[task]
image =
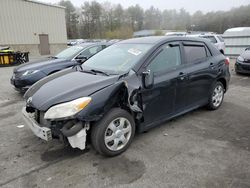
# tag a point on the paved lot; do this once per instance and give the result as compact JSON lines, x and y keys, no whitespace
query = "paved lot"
{"x":199,"y":149}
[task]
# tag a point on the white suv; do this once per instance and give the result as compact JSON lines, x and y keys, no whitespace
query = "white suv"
{"x":216,"y":39}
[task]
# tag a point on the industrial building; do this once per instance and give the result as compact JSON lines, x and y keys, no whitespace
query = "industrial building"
{"x":32,"y":26}
{"x":236,"y":40}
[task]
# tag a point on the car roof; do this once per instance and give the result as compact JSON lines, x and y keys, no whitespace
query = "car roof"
{"x":145,"y":40}
{"x":159,"y":39}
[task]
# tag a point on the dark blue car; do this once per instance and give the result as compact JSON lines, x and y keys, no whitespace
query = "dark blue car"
{"x":27,"y":74}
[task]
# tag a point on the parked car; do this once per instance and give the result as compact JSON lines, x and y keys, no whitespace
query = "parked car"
{"x":177,"y":33}
{"x":133,"y":85}
{"x":112,"y":41}
{"x":242,"y":64}
{"x":74,"y":42}
{"x":27,"y":74}
{"x":216,"y":39}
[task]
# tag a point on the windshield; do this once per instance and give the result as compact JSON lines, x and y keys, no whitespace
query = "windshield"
{"x":118,"y":58}
{"x":69,"y":53}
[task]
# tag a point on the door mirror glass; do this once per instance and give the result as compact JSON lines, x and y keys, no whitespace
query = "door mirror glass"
{"x":148,"y":79}
{"x":81,"y":59}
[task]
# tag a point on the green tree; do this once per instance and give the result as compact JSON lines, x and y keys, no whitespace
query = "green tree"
{"x":135,"y":16}
{"x":71,"y":18}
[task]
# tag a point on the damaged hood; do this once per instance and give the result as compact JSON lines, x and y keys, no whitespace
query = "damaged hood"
{"x":66,"y":86}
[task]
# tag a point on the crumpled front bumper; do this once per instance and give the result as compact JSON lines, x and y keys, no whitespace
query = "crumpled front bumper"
{"x":76,"y":141}
{"x":41,"y":132}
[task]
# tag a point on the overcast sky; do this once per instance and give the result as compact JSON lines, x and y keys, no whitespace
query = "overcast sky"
{"x":189,"y":5}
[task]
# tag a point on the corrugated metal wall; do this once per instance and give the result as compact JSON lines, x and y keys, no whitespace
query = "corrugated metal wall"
{"x":22,"y":21}
{"x":235,"y":46}
{"x":237,"y":40}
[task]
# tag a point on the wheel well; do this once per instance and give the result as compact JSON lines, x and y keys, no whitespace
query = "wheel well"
{"x":224,"y":83}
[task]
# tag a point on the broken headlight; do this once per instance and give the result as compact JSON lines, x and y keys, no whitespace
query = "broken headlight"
{"x":67,"y":109}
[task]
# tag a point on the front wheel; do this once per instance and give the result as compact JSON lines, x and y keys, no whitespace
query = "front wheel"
{"x":216,"y":96}
{"x":113,"y":134}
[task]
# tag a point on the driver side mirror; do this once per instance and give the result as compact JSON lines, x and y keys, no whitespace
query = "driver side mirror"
{"x":248,"y":48}
{"x":148,"y":79}
{"x":81,"y":60}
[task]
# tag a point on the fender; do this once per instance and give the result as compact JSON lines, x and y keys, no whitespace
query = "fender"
{"x":125,"y":92}
{"x":101,"y":102}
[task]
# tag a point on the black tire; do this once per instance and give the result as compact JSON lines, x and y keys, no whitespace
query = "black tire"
{"x":98,"y":132}
{"x":211,"y":105}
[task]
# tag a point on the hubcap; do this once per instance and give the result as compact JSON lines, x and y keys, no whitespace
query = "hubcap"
{"x":217,"y":95}
{"x":117,"y":134}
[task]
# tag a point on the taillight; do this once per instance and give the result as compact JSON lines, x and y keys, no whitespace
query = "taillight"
{"x":227,"y":61}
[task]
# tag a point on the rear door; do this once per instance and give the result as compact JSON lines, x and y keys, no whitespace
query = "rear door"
{"x":200,"y":70}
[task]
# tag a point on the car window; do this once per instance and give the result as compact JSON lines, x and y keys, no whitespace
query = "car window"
{"x":89,"y":52}
{"x":69,"y":53}
{"x":168,"y":58}
{"x":210,"y":38}
{"x":194,"y":54}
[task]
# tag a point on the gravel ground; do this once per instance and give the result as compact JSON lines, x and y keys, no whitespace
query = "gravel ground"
{"x":199,"y":149}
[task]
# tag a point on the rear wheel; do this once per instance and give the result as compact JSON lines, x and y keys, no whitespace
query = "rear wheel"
{"x":216,"y":96}
{"x":113,"y":134}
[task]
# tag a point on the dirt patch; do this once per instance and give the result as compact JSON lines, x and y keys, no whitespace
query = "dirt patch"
{"x":120,"y":170}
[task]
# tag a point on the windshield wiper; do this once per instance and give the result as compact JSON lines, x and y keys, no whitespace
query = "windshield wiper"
{"x":99,"y":71}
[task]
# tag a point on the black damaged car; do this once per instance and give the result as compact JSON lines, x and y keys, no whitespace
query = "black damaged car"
{"x":130,"y":86}
{"x":242,"y":64}
{"x":27,"y":74}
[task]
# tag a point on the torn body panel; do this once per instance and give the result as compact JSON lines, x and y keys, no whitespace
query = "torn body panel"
{"x":124,"y":93}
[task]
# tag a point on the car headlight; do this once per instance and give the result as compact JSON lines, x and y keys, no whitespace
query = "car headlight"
{"x":67,"y":109}
{"x":29,"y":72}
{"x":240,"y":59}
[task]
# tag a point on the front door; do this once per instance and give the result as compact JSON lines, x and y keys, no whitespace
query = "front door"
{"x":44,"y":44}
{"x":159,"y":101}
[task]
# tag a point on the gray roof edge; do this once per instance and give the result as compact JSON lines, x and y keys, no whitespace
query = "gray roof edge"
{"x":46,"y":4}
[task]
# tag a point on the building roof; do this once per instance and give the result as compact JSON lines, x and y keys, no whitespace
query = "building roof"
{"x":46,"y":4}
{"x":237,"y":32}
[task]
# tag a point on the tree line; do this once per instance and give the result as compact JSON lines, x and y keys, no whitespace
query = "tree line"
{"x":108,"y":20}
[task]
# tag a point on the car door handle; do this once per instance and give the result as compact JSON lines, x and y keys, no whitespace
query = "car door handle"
{"x":211,"y":65}
{"x":182,"y":76}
